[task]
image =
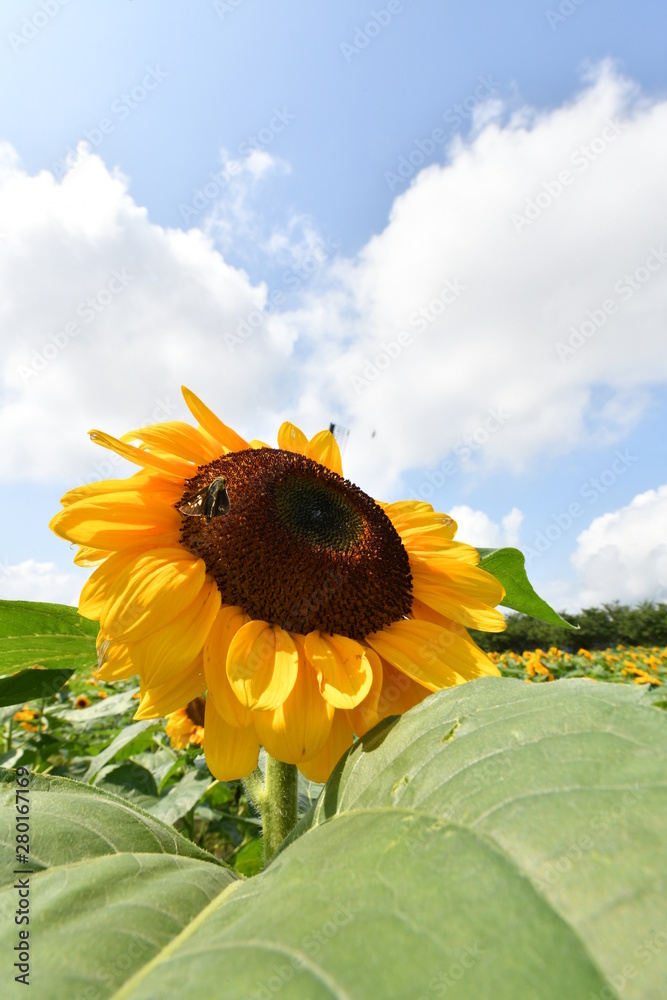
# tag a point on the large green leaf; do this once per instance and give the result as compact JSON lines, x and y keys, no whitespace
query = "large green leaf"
{"x":501,"y":841}
{"x":509,"y":567}
{"x":45,"y":635}
{"x":28,"y":685}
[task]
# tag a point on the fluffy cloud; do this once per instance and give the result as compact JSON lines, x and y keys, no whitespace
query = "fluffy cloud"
{"x":105,"y":314}
{"x":36,"y":581}
{"x":623,"y":555}
{"x":538,"y":225}
{"x":514,"y":276}
{"x":477,"y":528}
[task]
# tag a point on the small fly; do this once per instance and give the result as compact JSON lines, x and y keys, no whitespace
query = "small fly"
{"x":210,"y":501}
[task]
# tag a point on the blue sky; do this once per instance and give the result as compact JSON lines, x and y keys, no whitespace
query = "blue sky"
{"x":335,"y":98}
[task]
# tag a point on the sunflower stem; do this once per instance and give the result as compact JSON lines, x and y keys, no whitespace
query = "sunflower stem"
{"x":279,"y":805}
{"x":254,"y":789}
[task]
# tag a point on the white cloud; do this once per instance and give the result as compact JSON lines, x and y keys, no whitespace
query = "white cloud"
{"x":623,"y":555}
{"x":38,"y":581}
{"x":104,"y":314}
{"x":476,"y":528}
{"x":495,"y":343}
{"x":492,"y":346}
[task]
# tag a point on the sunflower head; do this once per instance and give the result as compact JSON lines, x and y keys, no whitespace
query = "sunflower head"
{"x":305,"y":609}
{"x":185,"y":727}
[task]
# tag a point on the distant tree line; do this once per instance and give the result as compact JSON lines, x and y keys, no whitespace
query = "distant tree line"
{"x":609,"y":625}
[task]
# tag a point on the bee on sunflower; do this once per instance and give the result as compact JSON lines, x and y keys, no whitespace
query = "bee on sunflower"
{"x":305,"y":610}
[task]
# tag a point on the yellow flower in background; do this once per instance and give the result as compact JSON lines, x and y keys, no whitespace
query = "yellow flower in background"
{"x":29,"y":718}
{"x":186,"y":726}
{"x":82,"y":701}
{"x":308,"y":611}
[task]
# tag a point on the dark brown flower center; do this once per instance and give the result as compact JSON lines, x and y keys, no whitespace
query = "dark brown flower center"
{"x":301,"y":547}
{"x":195,"y":711}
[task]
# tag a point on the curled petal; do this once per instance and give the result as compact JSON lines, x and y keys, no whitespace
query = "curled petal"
{"x":323,"y":448}
{"x":340,"y":739}
{"x":299,"y":728}
{"x":343,"y":668}
{"x":231,"y":751}
{"x":227,"y":623}
{"x":262,"y":665}
{"x":224,"y":435}
{"x":290,"y":438}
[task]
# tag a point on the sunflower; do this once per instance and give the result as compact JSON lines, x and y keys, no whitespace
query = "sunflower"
{"x":308,"y":612}
{"x":186,"y":726}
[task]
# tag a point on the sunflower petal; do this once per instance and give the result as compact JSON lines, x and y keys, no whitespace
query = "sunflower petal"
{"x":115,"y":520}
{"x":343,"y":669}
{"x":227,"y":623}
{"x":290,"y":438}
{"x":114,"y":660}
{"x":175,"y":438}
{"x":231,"y":752}
{"x":323,"y":448}
{"x":430,"y":654}
{"x":366,"y":714}
{"x":152,"y":590}
{"x":464,"y":593}
{"x":262,"y":665}
{"x":228,"y":439}
{"x":158,"y":700}
{"x":166,"y":653}
{"x":399,"y":692}
{"x":319,"y":768}
{"x":170,"y":466}
{"x":299,"y":728}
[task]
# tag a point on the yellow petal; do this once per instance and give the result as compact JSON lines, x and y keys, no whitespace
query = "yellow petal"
{"x":114,"y":520}
{"x":340,"y":739}
{"x":95,"y":591}
{"x":231,"y":752}
{"x":406,"y":514}
{"x":113,"y":659}
{"x":150,"y":592}
{"x":162,"y":699}
{"x":299,"y":728}
{"x":87,"y":556}
{"x":262,"y":665}
{"x":399,"y":692}
{"x":323,"y":448}
{"x":135,"y":482}
{"x":464,"y":593}
{"x":227,"y":623}
{"x":225,"y":436}
{"x":430,"y":654}
{"x":177,"y":439}
{"x":366,"y":714}
{"x":255,"y":444}
{"x":169,"y":650}
{"x":343,"y":669}
{"x":433,"y":544}
{"x":171,"y":466}
{"x":290,"y":438}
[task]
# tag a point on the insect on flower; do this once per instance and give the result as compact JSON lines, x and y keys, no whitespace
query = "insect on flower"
{"x":210,"y":501}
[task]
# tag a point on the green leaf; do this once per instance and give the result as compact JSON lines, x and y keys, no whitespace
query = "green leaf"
{"x":29,"y":685}
{"x":509,"y":567}
{"x":250,"y":858}
{"x":181,"y":797}
{"x":45,"y":635}
{"x":500,"y":841}
{"x":124,"y":737}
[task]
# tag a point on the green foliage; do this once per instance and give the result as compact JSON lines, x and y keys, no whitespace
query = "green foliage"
{"x":497,"y":842}
{"x":610,"y":625}
{"x":509,"y":567}
{"x":45,"y":635}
